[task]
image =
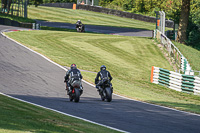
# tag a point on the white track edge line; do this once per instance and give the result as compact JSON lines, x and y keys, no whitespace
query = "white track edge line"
{"x":94,"y":85}
{"x":62,"y":113}
{"x":50,"y":108}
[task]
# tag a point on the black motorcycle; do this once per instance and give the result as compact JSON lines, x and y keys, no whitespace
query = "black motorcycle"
{"x":76,"y":91}
{"x":80,"y":28}
{"x":106,"y":90}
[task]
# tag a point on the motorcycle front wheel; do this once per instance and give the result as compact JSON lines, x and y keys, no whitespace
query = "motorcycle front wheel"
{"x":108,"y":94}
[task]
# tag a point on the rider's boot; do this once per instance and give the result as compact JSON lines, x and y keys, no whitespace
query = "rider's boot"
{"x":81,"y":89}
{"x":69,"y":90}
{"x":100,"y":90}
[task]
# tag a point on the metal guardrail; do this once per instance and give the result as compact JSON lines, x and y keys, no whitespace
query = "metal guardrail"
{"x":181,"y":62}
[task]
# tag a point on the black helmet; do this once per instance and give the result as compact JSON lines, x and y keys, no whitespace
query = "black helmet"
{"x":103,"y":67}
{"x":73,"y":66}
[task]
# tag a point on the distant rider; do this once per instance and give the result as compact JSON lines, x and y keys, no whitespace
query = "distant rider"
{"x":72,"y":75}
{"x":103,"y":73}
{"x":78,"y":24}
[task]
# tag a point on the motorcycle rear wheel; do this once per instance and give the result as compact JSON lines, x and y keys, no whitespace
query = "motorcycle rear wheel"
{"x":77,"y":95}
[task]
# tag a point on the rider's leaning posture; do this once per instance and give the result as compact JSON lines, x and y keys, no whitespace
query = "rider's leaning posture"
{"x":79,"y":23}
{"x":102,"y":74}
{"x":72,"y":75}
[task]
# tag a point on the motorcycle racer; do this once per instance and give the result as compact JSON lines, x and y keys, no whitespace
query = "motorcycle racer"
{"x":103,"y":74}
{"x":72,"y":75}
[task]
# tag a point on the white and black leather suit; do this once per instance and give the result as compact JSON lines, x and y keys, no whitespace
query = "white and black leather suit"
{"x":79,"y":23}
{"x":69,"y":79}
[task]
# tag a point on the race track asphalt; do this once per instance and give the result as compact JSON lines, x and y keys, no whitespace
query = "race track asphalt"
{"x":28,"y":76}
{"x":101,"y":29}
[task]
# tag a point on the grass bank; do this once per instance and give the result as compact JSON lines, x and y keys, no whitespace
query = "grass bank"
{"x":129,"y":59}
{"x":20,"y":117}
{"x":191,"y":54}
{"x":54,"y":14}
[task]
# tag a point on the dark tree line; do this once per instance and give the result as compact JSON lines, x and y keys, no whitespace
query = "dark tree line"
{"x":5,"y":4}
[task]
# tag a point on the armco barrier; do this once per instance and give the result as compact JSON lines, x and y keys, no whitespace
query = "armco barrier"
{"x":176,"y":81}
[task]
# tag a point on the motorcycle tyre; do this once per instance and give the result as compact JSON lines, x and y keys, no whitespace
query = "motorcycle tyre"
{"x":77,"y":95}
{"x":108,"y":94}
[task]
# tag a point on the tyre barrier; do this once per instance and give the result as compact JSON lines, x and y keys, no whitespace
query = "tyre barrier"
{"x":176,"y":81}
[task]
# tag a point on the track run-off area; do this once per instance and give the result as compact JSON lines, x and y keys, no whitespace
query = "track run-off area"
{"x":27,"y":75}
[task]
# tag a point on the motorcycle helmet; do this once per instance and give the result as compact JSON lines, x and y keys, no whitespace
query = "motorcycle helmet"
{"x":73,"y":66}
{"x":79,"y":21}
{"x":103,"y":67}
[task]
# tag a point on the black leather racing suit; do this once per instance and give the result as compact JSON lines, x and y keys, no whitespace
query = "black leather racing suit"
{"x":101,"y":74}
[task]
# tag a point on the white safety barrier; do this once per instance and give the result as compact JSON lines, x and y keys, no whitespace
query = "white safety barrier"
{"x":176,"y":81}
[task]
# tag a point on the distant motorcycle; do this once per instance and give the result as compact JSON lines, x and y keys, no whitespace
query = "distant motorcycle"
{"x":80,"y":28}
{"x":76,"y":91}
{"x":106,"y":92}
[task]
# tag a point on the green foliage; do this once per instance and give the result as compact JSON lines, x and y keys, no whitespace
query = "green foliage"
{"x":35,"y":2}
{"x":193,"y":33}
{"x":193,"y":30}
{"x":195,"y":12}
{"x":172,"y":8}
{"x":104,"y":2}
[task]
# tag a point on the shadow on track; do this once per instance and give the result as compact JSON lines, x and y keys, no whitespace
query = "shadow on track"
{"x":143,"y":117}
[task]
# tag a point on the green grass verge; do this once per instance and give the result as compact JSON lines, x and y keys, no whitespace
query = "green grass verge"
{"x":191,"y":54}
{"x":20,"y":117}
{"x":15,"y":18}
{"x":129,"y":59}
{"x":54,"y":14}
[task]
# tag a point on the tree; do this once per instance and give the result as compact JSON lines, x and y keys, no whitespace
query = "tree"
{"x":5,"y":4}
{"x":183,"y":21}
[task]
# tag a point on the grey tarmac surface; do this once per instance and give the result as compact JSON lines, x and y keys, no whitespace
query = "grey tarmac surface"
{"x":28,"y":76}
{"x":101,"y":29}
